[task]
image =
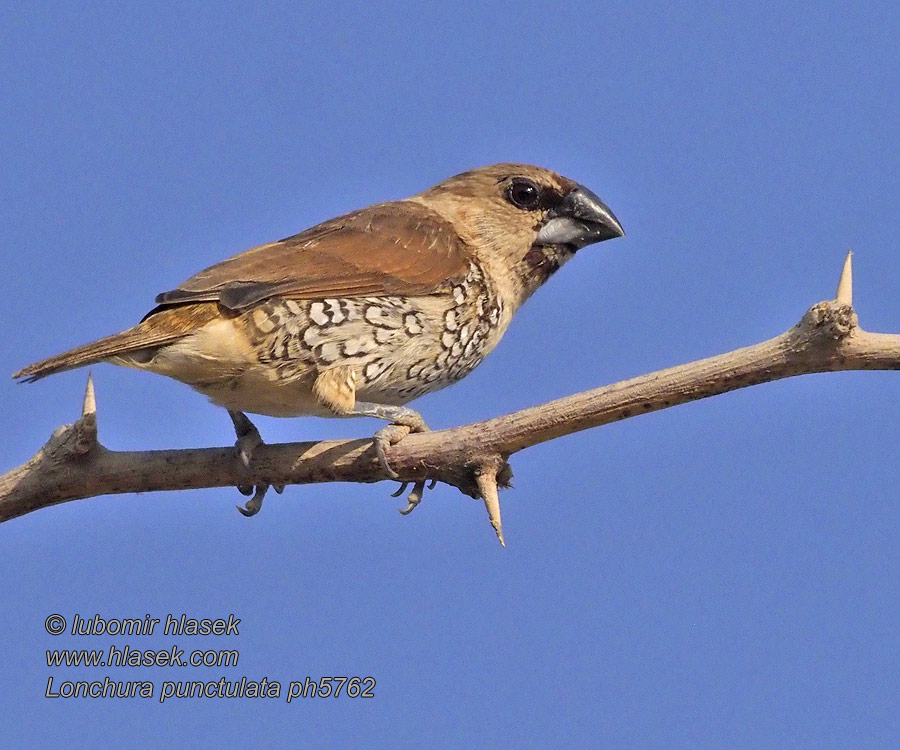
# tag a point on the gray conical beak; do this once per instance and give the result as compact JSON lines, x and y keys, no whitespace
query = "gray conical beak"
{"x":580,"y":219}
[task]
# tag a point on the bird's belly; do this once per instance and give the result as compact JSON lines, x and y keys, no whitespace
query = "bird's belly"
{"x":395,"y":377}
{"x":258,"y":395}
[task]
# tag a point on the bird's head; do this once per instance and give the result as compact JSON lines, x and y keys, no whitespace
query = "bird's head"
{"x":524,"y":221}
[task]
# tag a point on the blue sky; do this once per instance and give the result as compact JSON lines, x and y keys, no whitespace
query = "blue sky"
{"x":721,"y":574}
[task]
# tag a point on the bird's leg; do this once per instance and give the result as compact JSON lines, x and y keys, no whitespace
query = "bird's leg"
{"x":248,"y":439}
{"x":403,"y":421}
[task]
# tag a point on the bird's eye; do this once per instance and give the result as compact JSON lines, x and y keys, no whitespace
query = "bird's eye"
{"x":523,"y":194}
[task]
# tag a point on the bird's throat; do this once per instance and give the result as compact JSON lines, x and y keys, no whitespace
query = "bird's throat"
{"x":539,"y":264}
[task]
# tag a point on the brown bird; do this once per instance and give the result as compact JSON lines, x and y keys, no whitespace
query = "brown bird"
{"x":365,"y":312}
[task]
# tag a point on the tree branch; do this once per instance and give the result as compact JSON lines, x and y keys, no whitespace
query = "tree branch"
{"x":73,"y":464}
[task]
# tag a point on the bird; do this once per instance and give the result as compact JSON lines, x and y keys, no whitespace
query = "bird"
{"x":361,"y":314}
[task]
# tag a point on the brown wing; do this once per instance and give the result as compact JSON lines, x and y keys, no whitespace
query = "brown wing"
{"x":400,"y":248}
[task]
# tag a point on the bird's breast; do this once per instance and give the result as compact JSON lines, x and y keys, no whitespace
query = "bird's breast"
{"x":399,"y":347}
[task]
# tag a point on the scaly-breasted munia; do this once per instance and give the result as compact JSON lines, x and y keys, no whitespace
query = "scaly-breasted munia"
{"x":365,"y":312}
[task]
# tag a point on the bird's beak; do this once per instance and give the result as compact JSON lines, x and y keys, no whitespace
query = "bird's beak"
{"x":580,"y":219}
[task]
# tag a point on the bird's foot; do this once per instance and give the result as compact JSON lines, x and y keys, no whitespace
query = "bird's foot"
{"x":248,"y":440}
{"x":403,"y":424}
{"x":403,"y":421}
{"x":384,"y":439}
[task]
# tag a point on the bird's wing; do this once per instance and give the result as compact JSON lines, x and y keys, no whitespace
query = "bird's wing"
{"x":400,"y":248}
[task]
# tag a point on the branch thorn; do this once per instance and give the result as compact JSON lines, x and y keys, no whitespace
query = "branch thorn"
{"x":86,"y":426}
{"x":486,"y":478}
{"x":90,"y":400}
{"x":844,"y":294}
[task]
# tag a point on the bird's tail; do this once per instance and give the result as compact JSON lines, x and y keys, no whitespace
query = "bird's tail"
{"x":162,"y":326}
{"x":80,"y":356}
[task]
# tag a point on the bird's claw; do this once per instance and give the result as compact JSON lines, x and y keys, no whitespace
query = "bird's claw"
{"x":415,"y":497}
{"x":254,"y":503}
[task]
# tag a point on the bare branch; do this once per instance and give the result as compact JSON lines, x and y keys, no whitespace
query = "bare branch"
{"x":74,"y":465}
